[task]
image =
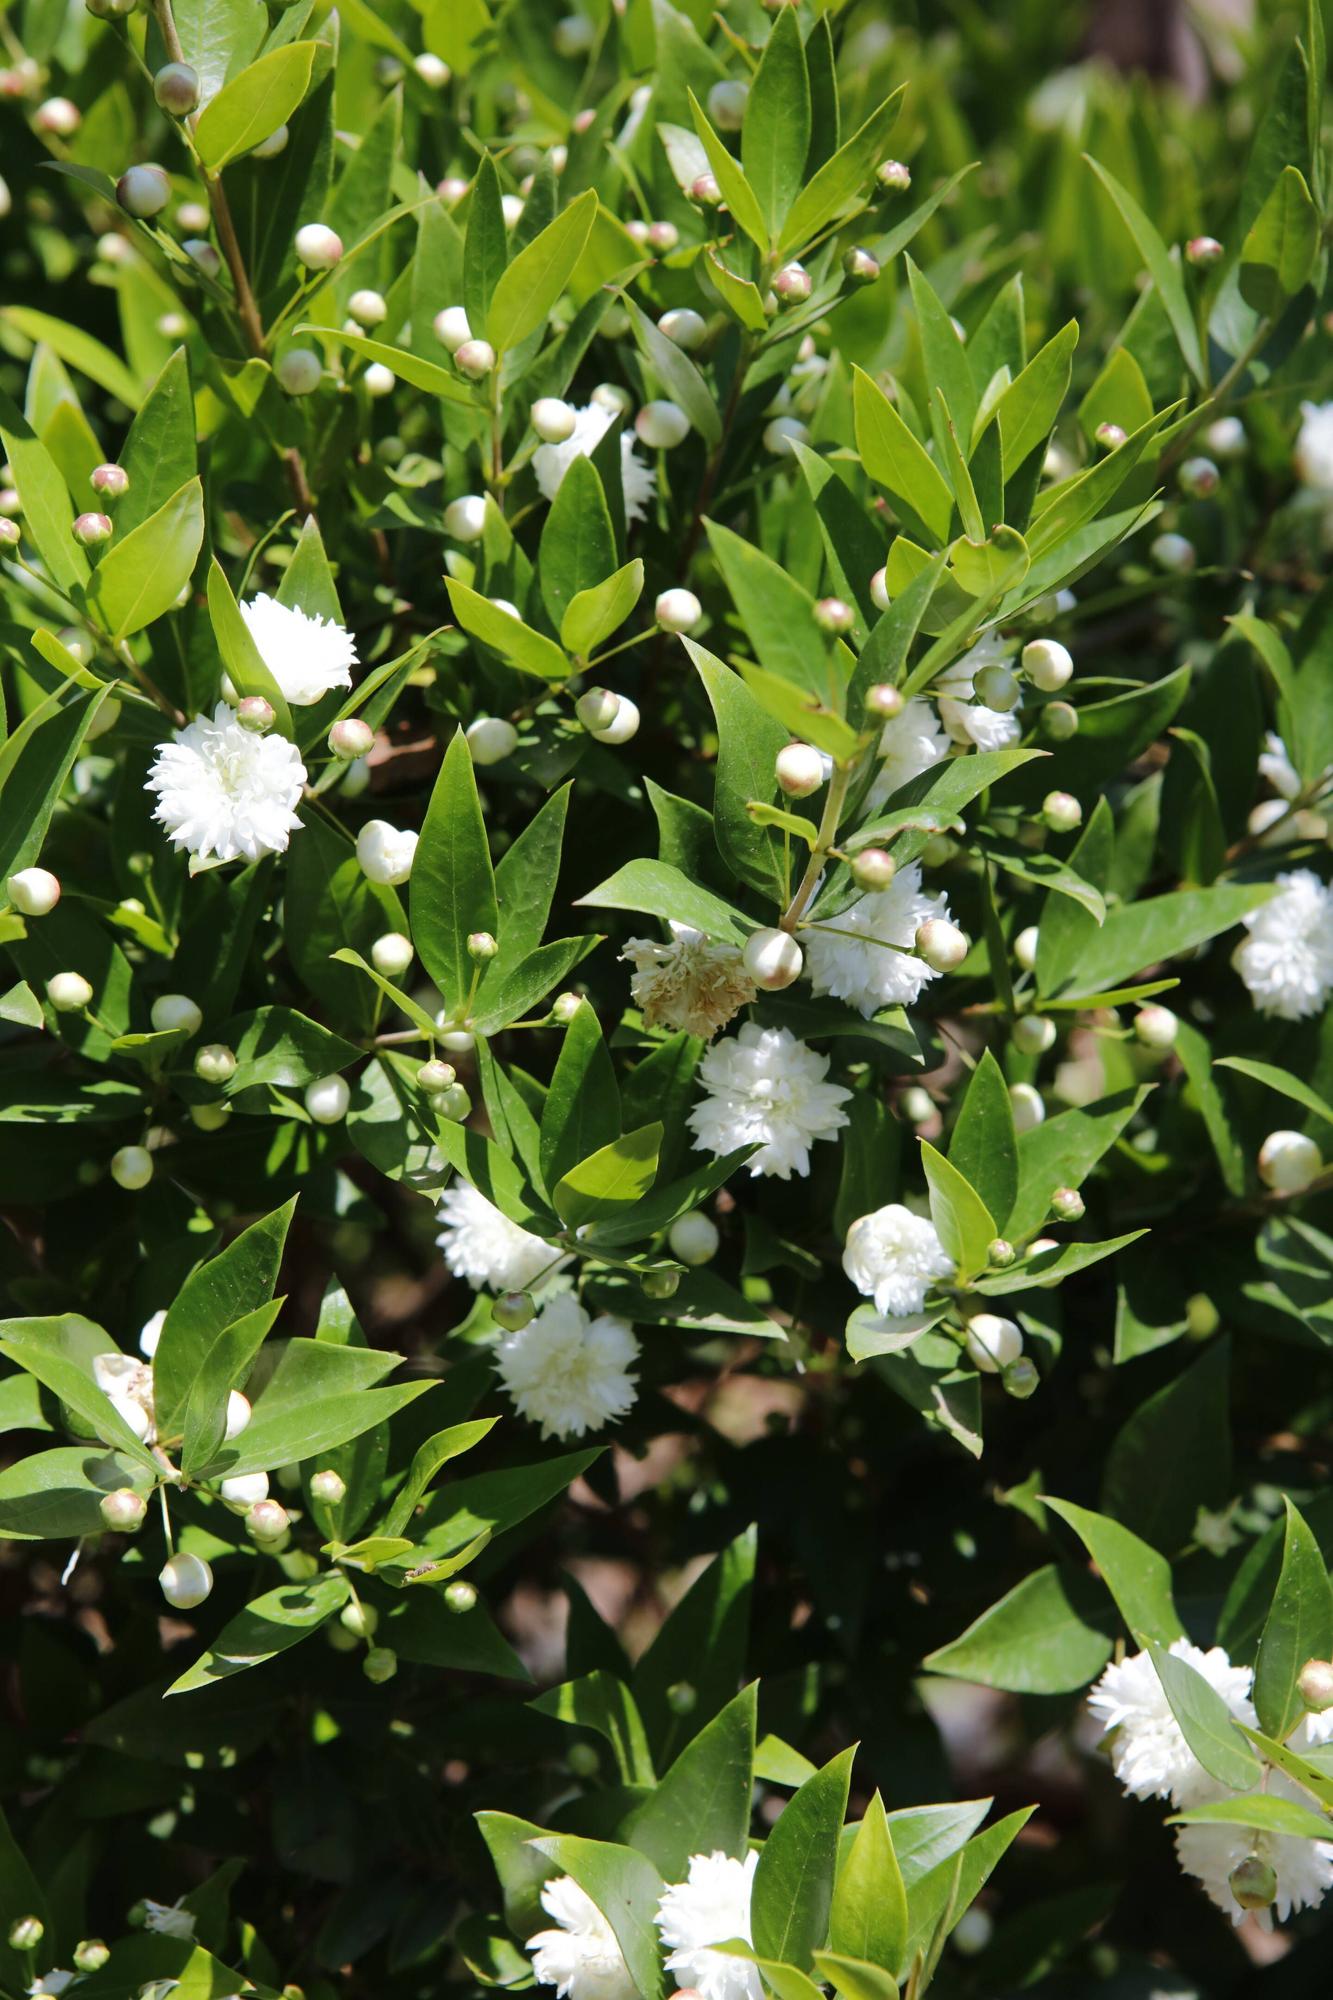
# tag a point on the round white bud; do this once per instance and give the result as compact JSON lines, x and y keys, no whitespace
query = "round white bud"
{"x":1289,"y":1162}
{"x":361,"y":1620}
{"x":997,"y":687}
{"x":59,"y":117}
{"x":1047,"y":664}
{"x":132,"y":1167}
{"x":452,"y":327}
{"x":433,"y":70}
{"x":1156,"y":1027}
{"x":385,"y":853}
{"x":1061,"y":812}
{"x":209,"y":1117}
{"x":782,"y":434}
{"x":553,"y":419}
{"x":879,"y":590}
{"x":1173,"y":553}
{"x":773,"y":959}
{"x":351,"y":737}
{"x":893,"y":176}
{"x":267,"y":1521}
{"x":941,"y":944}
{"x":1112,"y":436}
{"x":992,"y":1342}
{"x":663,"y":237}
{"x":176,"y":88}
{"x":596,"y":708}
{"x":69,"y":992}
{"x":276,"y":142}
{"x":215,"y":1063}
{"x":1025,"y":1102}
{"x":834,"y":616}
{"x":328,"y":1486}
{"x":726,"y":105}
{"x":481,"y":947}
{"x":688,"y":329}
{"x":378,"y":380}
{"x":318,"y":247}
{"x":1034,"y":1034}
{"x":1025,"y":948}
{"x":391,"y":954}
{"x":799,"y":770}
{"x":243,"y":1490}
{"x":465,"y":518}
{"x":491,"y":739}
{"x":238,"y":1415}
{"x":33,"y":892}
{"x":572,"y":35}
{"x":1226,"y":438}
{"x":1314,"y":1685}
{"x":917,"y":1104}
{"x":475,"y":359}
{"x":186,"y":1580}
{"x":143,"y":191}
{"x":327,"y":1099}
{"x":368,"y":307}
{"x":434,"y":1076}
{"x":678,"y":610}
{"x":298,"y":371}
{"x":123,"y":1510}
{"x":176,"y":1013}
{"x":623,"y":725}
{"x":693,"y":1238}
{"x":662,"y":426}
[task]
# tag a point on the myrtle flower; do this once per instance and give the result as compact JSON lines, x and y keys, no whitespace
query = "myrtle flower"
{"x":225,"y":793}
{"x":893,"y":1257}
{"x":569,"y":1372}
{"x":1303,"y":1868}
{"x":965,"y":719}
{"x":128,"y":1386}
{"x":581,"y":1957}
{"x":1312,"y":455}
{"x":864,"y":955}
{"x":485,"y":1247}
{"x":909,"y":744}
{"x":1149,"y":1754}
{"x":168,"y":1919}
{"x":307,"y":656}
{"x":690,"y":984}
{"x":711,"y":1907}
{"x":1287,"y":959}
{"x":551,"y":462}
{"x":765,"y":1087}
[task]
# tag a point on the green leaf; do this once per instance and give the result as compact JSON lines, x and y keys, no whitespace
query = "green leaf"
{"x":1205,"y":1721}
{"x":223,"y":1368}
{"x":486,"y":245}
{"x":1137,"y":1576}
{"x":703,"y":1802}
{"x":77,"y":347}
{"x":1187,"y":1425}
{"x":235,"y":1282}
{"x":1163,"y":269}
{"x":453,"y":885}
{"x":525,"y":879}
{"x":778,"y":613}
{"x":578,"y":545}
{"x":963,"y":1222}
{"x":658,"y":890}
{"x":737,"y":193}
{"x":439,"y":1450}
{"x":47,"y":513}
{"x":582,"y":1109}
{"x":530,"y":286}
{"x":1062,"y":1152}
{"x":159,"y":451}
{"x":1048,"y":1635}
{"x":1119,"y":395}
{"x":59,"y":1352}
{"x":748,"y":743}
{"x":610,"y":1180}
{"x":601,"y":1702}
{"x":793,"y":1884}
{"x":939,"y":1899}
{"x":35,"y":762}
{"x":803,"y":716}
{"x":895,"y":460}
{"x":775,"y":136}
{"x":947,"y":369}
{"x":837,"y":184}
{"x":1027,"y":410}
{"x":278,"y":1045}
{"x":422,"y":374}
{"x":1299,"y":1627}
{"x":739,"y":295}
{"x":868,"y":1920}
{"x":984,"y":1145}
{"x":329,"y":906}
{"x":269,"y":1625}
{"x":1264,"y":1814}
{"x":57,"y":1495}
{"x":703,"y":1641}
{"x":1280,"y":1080}
{"x":855,"y":1978}
{"x":1137,"y":935}
{"x":252,"y":105}
{"x":677,"y":374}
{"x":240,"y":655}
{"x":1281,"y":244}
{"x":593,"y":615}
{"x":516,"y":643}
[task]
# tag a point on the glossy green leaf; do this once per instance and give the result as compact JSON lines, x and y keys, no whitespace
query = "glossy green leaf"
{"x":453,"y":884}
{"x":1048,"y":1635}
{"x":531,"y":284}
{"x":249,"y":108}
{"x":1299,"y":1627}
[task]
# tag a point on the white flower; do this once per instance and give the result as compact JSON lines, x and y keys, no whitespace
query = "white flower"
{"x":855,"y":959}
{"x":1304,"y":1868}
{"x":569,"y":1372}
{"x":581,"y":1959}
{"x":151,"y":1332}
{"x":711,"y":1907}
{"x":551,"y":462}
{"x":1287,"y":959}
{"x":167,"y":1919}
{"x":306,"y":656}
{"x":766,"y":1087}
{"x":1277,"y":766}
{"x":909,"y":744}
{"x":1149,"y":1753}
{"x":225,"y":793}
{"x":892,"y":1257}
{"x":127,"y":1385}
{"x":485,"y":1247}
{"x":966,"y":720}
{"x":1312,"y":455}
{"x":690,"y":983}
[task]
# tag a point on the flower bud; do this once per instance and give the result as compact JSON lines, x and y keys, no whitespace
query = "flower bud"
{"x":255,"y":713}
{"x":1156,"y":1027}
{"x":693,"y":1238}
{"x":565,"y":1006}
{"x":452,"y":328}
{"x":1059,"y":721}
{"x":678,"y":611}
{"x":663,"y":237}
{"x":623,"y":725}
{"x":238,"y":1415}
{"x":1173,"y":553}
{"x":1034,"y":1034}
{"x":436,"y":1075}
{"x":941,"y":944}
{"x":773,"y":959}
{"x":512,"y":1310}
{"x":458,"y":1040}
{"x":176,"y":88}
{"x":1025,"y":948}
{"x":1020,"y":1378}
{"x":327,"y":1099}
{"x":361,"y":1620}
{"x":997,"y":687}
{"x":267,"y":1521}
{"x":453,"y":187}
{"x":1047,"y":664}
{"x":491,"y":739}
{"x":452,"y":1103}
{"x":124,"y":1510}
{"x":682,"y":1697}
{"x":268,"y":149}
{"x":186,"y":1580}
{"x":1199,"y":478}
{"x":792,"y":285}
{"x":873,"y":868}
{"x":460,"y":1596}
{"x":69,"y":992}
{"x":1289,"y":1162}
{"x":132,"y":1168}
{"x":377,"y":380}
{"x":110,"y":481}
{"x":1226,"y":438}
{"x":553,"y":419}
{"x":433,"y":70}
{"x":58,"y":117}
{"x":215,"y":1063}
{"x":662,"y":426}
{"x":368,"y":308}
{"x":834,"y":616}
{"x":917,"y":1104}
{"x":143,"y":191}
{"x":1025,"y":1101}
{"x":1000,"y":1253}
{"x":1201,"y":251}
{"x":1067,"y":1204}
{"x":329,"y":1487}
{"x":244,"y":1490}
{"x":385,"y":853}
{"x":481,"y":947}
{"x":596,"y":709}
{"x":26,"y":1933}
{"x":209,"y":1117}
{"x":683,"y":326}
{"x":33,"y":892}
{"x":392,"y":954}
{"x":173,"y":1013}
{"x":1253,"y":1883}
{"x":351,"y":737}
{"x":90,"y":529}
{"x":1061,"y":812}
{"x":1112,"y":436}
{"x":318,"y":247}
{"x":10,"y":533}
{"x":859,"y":267}
{"x":660,"y":1284}
{"x":90,"y":1955}
{"x":465,"y":518}
{"x":584,"y":1760}
{"x":1314,"y":1685}
{"x":475,"y":359}
{"x":992,"y":1343}
{"x":726,"y":105}
{"x":799,"y":769}
{"x":879,"y":597}
{"x":298,"y":371}
{"x":893,"y":176}
{"x":782,"y":434}
{"x":380,"y":1664}
{"x":11,"y":504}
{"x":884,"y":701}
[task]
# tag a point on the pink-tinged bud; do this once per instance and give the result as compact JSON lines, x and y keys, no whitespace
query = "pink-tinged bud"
{"x":792,"y":285}
{"x":111,"y":481}
{"x":564,"y":1007}
{"x":663,"y":237}
{"x":512,"y":1310}
{"x":329,"y":1487}
{"x":859,"y":267}
{"x":10,"y":533}
{"x":318,"y":247}
{"x":1201,"y":251}
{"x":90,"y":529}
{"x":1001,"y":1253}
{"x":874,"y":868}
{"x":176,"y":88}
{"x":704,"y":190}
{"x":684,"y":328}
{"x":267,"y":1521}
{"x":475,"y":359}
{"x":799,"y":769}
{"x":453,"y":187}
{"x":90,"y":1955}
{"x":941,"y":944}
{"x":351,"y":737}
{"x":10,"y":503}
{"x":481,"y":947}
{"x":1111,"y":435}
{"x":1156,"y":1027}
{"x":884,"y":701}
{"x":1061,"y":812}
{"x":1067,"y":1205}
{"x":255,"y":713}
{"x":893,"y":176}
{"x":834,"y":616}
{"x":1314,"y":1685}
{"x":124,"y":1510}
{"x":1199,"y":478}
{"x":678,"y":610}
{"x":773,"y":959}
{"x":435,"y":1076}
{"x":59,"y":118}
{"x":143,"y":191}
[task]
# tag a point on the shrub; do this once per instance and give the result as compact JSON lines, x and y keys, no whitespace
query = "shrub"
{"x":670,"y":714}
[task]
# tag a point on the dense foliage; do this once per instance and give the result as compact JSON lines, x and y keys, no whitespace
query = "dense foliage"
{"x":665,"y":1056}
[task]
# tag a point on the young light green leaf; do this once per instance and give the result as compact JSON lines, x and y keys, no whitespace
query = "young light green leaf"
{"x":251,"y":107}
